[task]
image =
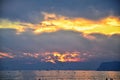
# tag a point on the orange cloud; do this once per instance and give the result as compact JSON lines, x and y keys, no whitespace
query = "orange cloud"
{"x":62,"y":57}
{"x":56,"y":56}
{"x":52,"y":57}
{"x":2,"y":55}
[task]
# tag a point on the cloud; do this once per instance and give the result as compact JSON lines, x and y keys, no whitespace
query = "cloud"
{"x":6,"y":55}
{"x":23,"y":10}
{"x":97,"y":40}
{"x":53,"y":23}
{"x":101,"y":48}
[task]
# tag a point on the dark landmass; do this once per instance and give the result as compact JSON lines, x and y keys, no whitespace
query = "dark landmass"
{"x":33,"y":64}
{"x":109,"y":66}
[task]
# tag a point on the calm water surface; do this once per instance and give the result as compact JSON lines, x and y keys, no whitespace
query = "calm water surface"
{"x":59,"y":75}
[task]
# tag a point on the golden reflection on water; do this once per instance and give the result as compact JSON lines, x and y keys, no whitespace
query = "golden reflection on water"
{"x":59,"y":75}
{"x":76,"y":75}
{"x":113,"y":74}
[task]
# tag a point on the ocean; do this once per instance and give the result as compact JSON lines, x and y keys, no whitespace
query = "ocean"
{"x":59,"y":75}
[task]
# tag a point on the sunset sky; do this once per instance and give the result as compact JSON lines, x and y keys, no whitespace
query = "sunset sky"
{"x":60,"y":30}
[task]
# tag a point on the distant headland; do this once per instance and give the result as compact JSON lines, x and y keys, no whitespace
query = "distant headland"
{"x":109,"y":66}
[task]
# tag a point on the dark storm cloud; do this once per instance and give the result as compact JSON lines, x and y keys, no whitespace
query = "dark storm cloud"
{"x":29,"y":10}
{"x":105,"y":48}
{"x":101,"y":48}
{"x":61,"y":41}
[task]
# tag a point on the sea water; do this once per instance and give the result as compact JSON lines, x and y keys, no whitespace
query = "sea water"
{"x":59,"y":75}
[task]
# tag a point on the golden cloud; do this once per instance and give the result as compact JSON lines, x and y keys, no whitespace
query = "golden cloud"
{"x":51,"y":23}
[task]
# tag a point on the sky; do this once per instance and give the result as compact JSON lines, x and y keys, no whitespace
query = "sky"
{"x":60,"y":30}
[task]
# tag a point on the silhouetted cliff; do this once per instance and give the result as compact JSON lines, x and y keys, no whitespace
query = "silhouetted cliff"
{"x":109,"y":66}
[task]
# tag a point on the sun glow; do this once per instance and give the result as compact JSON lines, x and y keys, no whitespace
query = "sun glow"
{"x":62,"y":57}
{"x":54,"y":57}
{"x":51,"y":23}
